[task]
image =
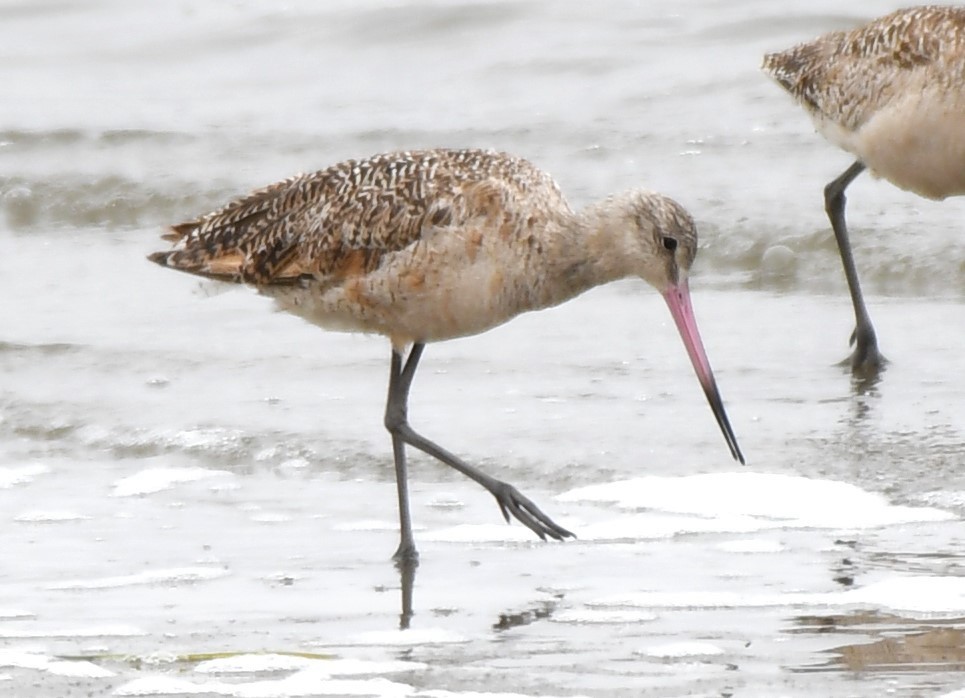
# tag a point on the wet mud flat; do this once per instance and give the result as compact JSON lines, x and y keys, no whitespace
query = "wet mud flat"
{"x":161,"y":576}
{"x":200,"y":531}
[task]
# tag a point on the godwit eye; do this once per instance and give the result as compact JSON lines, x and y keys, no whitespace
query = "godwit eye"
{"x":670,"y":243}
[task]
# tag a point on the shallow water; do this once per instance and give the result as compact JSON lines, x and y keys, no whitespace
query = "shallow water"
{"x":197,"y":494}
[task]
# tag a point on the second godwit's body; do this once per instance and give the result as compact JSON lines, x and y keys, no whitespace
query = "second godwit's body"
{"x":891,"y":93}
{"x":427,"y":246}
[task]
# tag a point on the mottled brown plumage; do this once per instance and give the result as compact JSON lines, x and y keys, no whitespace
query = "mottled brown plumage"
{"x":891,"y":93}
{"x":428,"y":245}
{"x":347,"y":218}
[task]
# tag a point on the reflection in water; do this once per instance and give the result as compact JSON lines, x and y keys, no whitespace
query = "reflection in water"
{"x":898,"y":644}
{"x":864,"y":380}
{"x":864,"y":393}
{"x":866,"y":383}
{"x":860,"y":435}
{"x":406,"y":567}
{"x":844,"y":570}
{"x":506,"y":620}
{"x":514,"y":619}
{"x":936,"y":648}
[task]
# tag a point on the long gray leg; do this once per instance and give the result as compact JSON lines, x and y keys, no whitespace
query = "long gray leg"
{"x":865,"y":359}
{"x":510,"y":500}
{"x":406,"y":553}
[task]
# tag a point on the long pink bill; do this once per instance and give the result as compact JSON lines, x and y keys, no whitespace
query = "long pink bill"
{"x":678,"y":300}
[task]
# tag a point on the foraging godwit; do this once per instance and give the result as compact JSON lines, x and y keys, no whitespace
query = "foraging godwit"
{"x":431,"y":245}
{"x":891,"y":93}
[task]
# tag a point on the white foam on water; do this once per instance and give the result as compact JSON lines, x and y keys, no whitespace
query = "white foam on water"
{"x":271,"y":518}
{"x":152,"y":480}
{"x":660,"y":525}
{"x":446,"y":502}
{"x":482,"y":533}
{"x":15,"y":614}
{"x":160,"y":657}
{"x":92,"y":631}
{"x":261,"y":663}
{"x":401,"y":638}
{"x":6,"y":677}
{"x":592,"y":616}
{"x":183,"y":575}
{"x":302,"y":683}
{"x":167,"y":686}
{"x":479,"y":694}
{"x":917,"y":594}
{"x":295,"y":464}
{"x":750,"y":545}
{"x":213,"y":439}
{"x":705,"y":599}
{"x":305,"y":683}
{"x":282,"y":578}
{"x":78,"y":669}
{"x":49,"y":517}
{"x":361,"y":667}
{"x":953,"y":499}
{"x":371,"y":525}
{"x":21,"y":475}
{"x":681,"y":650}
{"x":23,"y":660}
{"x":60,"y":667}
{"x":922,"y":594}
{"x":792,"y":500}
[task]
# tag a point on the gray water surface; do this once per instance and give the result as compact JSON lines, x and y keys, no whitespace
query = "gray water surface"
{"x":196,"y":492}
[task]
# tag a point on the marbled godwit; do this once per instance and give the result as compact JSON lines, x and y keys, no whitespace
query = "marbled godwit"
{"x":426,"y":246}
{"x":891,"y":93}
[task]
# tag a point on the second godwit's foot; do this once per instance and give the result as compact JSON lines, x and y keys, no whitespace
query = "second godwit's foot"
{"x":406,"y":555}
{"x":865,"y":362}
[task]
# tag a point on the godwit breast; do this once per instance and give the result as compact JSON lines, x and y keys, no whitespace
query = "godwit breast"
{"x":431,"y":245}
{"x":891,"y":93}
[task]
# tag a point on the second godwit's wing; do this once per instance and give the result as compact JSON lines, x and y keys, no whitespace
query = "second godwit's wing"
{"x":846,"y":77}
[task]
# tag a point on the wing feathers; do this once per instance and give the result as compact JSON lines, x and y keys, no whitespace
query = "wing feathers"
{"x":346,"y":219}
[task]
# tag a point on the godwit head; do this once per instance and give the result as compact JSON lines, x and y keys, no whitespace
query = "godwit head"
{"x":653,"y":237}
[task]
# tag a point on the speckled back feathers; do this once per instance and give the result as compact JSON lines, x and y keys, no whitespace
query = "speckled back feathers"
{"x":846,"y":77}
{"x":345,"y":219}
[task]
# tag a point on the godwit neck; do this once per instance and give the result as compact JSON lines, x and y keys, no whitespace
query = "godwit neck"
{"x":637,"y":233}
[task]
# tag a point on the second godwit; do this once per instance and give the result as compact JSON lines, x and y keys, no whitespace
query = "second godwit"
{"x":427,"y":246}
{"x":891,"y":93}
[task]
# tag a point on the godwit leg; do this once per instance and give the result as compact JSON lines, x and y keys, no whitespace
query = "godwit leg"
{"x":399,"y":381}
{"x":865,"y":360}
{"x":510,"y":500}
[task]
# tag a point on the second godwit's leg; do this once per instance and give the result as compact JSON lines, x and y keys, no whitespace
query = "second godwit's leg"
{"x":865,"y":360}
{"x":510,"y":500}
